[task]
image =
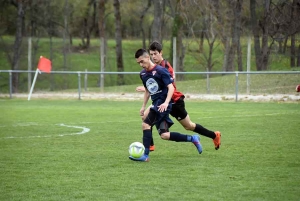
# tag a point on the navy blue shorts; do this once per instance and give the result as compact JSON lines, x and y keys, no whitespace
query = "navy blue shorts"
{"x":156,"y":118}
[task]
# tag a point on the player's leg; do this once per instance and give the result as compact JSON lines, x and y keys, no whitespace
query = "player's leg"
{"x":179,"y":112}
{"x":163,"y":129}
{"x":147,"y":135}
{"x":146,"y":112}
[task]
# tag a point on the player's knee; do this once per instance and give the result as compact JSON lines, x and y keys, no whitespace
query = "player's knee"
{"x":145,"y":126}
{"x":190,"y":126}
{"x":165,"y":135}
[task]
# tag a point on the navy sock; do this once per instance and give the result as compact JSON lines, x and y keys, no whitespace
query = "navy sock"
{"x":203,"y":131}
{"x":178,"y":137}
{"x":152,"y":142}
{"x":147,"y":135}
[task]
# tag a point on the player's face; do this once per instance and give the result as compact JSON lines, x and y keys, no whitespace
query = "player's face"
{"x":144,"y":61}
{"x":156,"y":56}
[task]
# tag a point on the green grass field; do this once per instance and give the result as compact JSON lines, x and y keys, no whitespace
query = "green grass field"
{"x":86,"y":158}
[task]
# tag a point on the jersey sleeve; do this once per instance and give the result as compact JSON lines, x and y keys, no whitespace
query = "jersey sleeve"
{"x":171,"y":70}
{"x":166,"y":76}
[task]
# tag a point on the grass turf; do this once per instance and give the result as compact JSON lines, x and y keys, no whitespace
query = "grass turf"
{"x":40,"y":159}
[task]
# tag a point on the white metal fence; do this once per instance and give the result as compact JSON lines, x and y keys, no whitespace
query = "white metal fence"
{"x":246,"y":78}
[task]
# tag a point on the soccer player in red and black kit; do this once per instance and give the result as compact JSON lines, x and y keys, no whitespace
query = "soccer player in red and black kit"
{"x":158,"y":85}
{"x":178,"y":108}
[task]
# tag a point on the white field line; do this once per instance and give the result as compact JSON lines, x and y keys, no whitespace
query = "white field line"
{"x":247,"y":115}
{"x":84,"y":130}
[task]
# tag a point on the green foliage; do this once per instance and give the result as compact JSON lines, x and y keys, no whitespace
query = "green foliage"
{"x":81,"y":60}
{"x":258,"y":159}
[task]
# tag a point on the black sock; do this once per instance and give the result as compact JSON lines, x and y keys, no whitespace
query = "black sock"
{"x":147,"y":135}
{"x":177,"y":137}
{"x":152,"y":142}
{"x":203,"y":131}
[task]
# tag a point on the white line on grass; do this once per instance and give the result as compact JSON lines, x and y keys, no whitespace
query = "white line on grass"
{"x":247,"y":115}
{"x":84,"y":130}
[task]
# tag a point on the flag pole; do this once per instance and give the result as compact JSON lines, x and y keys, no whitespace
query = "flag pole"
{"x":33,"y":83}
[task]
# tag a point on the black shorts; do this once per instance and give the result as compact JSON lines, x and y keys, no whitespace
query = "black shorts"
{"x":178,"y":109}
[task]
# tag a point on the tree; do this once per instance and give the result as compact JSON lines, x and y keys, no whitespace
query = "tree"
{"x":118,"y":38}
{"x":18,"y":41}
{"x":158,"y":20}
{"x":142,"y":15}
{"x":103,"y":40}
{"x":235,"y":46}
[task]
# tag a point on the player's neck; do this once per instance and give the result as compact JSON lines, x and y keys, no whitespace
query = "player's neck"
{"x":151,"y":66}
{"x":160,"y":62}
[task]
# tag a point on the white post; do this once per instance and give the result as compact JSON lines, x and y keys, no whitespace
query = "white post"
{"x":174,"y":56}
{"x":33,"y":83}
{"x":102,"y":58}
{"x":248,"y":64}
{"x":29,"y":63}
{"x":85,"y":80}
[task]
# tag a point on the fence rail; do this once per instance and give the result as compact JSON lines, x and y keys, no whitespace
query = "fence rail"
{"x":79,"y":73}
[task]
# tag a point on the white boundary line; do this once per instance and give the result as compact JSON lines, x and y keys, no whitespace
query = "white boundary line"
{"x":84,"y":131}
{"x":249,"y":115}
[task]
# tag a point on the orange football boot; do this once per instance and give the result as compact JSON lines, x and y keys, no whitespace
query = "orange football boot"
{"x":217,"y":140}
{"x":152,"y":147}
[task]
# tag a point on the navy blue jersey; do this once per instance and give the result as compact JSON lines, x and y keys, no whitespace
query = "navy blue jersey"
{"x":156,"y":81}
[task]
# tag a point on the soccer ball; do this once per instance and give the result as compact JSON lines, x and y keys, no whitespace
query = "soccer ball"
{"x":298,"y":88}
{"x":136,"y":149}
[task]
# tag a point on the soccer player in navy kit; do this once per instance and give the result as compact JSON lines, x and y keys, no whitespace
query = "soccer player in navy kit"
{"x":178,"y":108}
{"x":158,"y":85}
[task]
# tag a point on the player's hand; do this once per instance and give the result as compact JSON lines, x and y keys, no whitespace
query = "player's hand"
{"x":140,"y":88}
{"x":142,"y":110}
{"x":163,"y":107}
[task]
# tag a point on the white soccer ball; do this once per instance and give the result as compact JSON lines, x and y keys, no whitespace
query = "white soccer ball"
{"x":136,"y":149}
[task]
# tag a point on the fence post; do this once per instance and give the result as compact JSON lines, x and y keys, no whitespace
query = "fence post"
{"x":174,"y":57}
{"x":236,"y":86}
{"x":207,"y":81}
{"x":85,"y":80}
{"x":248,"y":64}
{"x":29,"y":63}
{"x":10,"y":85}
{"x":79,"y":85}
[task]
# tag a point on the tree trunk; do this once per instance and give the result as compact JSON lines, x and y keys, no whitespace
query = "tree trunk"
{"x":17,"y":45}
{"x":103,"y":41}
{"x":66,"y":46}
{"x":158,"y":20}
{"x":118,"y":37}
{"x":177,"y":32}
{"x":255,"y":31}
{"x":298,"y":57}
{"x":141,"y":23}
{"x":293,"y":51}
{"x":238,"y":34}
{"x":226,"y":54}
{"x":265,"y":35}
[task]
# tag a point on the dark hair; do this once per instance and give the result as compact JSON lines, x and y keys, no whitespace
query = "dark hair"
{"x":140,"y":52}
{"x":155,"y":46}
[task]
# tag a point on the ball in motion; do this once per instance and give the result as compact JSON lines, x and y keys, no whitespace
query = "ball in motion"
{"x":298,"y":88}
{"x":136,"y":149}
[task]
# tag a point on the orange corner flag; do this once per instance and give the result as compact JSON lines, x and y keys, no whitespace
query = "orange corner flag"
{"x":44,"y":65}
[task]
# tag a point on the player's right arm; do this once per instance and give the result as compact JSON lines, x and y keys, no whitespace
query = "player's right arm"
{"x":140,"y":88}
